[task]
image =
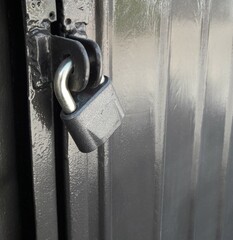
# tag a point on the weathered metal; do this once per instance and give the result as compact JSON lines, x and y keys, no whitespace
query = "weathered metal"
{"x":167,"y":172}
{"x":38,"y":15}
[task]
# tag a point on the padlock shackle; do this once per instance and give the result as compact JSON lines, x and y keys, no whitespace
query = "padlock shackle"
{"x":61,"y":89}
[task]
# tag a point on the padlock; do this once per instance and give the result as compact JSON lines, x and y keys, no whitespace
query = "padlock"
{"x":95,"y":113}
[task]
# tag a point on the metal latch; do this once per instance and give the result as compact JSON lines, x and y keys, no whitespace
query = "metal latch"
{"x":91,"y":110}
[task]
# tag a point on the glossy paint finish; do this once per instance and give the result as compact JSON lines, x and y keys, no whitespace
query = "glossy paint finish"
{"x":167,"y":173}
{"x":172,"y":157}
{"x":37,"y":18}
{"x":88,"y":176}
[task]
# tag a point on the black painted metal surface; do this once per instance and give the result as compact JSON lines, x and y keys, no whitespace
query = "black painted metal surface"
{"x":172,"y":158}
{"x":167,"y":172}
{"x":87,"y":195}
{"x":9,"y":202}
{"x":37,"y":18}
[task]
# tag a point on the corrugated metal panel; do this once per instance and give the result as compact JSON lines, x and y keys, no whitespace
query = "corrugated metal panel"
{"x":167,"y":172}
{"x":172,"y":157}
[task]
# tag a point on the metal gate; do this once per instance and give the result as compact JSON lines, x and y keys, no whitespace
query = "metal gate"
{"x":167,"y":172}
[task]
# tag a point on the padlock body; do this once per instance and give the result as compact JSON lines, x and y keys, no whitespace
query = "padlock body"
{"x":98,"y":115}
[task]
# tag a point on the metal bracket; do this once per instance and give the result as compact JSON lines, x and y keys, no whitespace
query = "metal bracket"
{"x":65,"y":47}
{"x":48,"y":51}
{"x":38,"y":51}
{"x":95,"y":59}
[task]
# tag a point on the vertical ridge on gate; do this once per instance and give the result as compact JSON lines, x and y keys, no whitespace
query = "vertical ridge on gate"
{"x":37,"y":18}
{"x":104,"y":24}
{"x":80,"y":170}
